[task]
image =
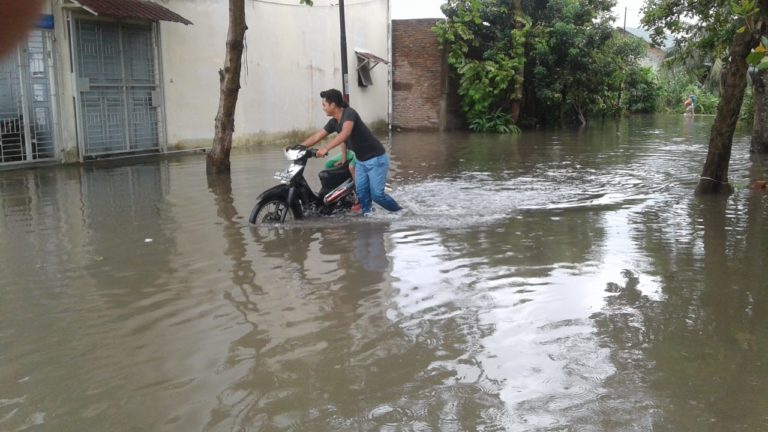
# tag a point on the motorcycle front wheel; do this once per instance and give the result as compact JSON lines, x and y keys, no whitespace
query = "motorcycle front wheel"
{"x":271,"y":212}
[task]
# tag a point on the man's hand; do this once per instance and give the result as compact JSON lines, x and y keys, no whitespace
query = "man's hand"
{"x":322,"y":152}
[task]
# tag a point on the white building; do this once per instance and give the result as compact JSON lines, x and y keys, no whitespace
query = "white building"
{"x":107,"y":77}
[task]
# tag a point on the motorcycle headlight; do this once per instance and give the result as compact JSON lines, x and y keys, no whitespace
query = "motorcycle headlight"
{"x":293,"y":154}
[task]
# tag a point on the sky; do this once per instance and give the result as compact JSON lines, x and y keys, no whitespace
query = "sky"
{"x":403,"y":9}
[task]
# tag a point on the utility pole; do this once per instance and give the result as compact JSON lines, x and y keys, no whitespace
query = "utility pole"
{"x":625,"y":22}
{"x":344,"y":67}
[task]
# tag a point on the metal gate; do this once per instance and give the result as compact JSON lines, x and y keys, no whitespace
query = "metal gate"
{"x":117,"y":85}
{"x":26,"y":115}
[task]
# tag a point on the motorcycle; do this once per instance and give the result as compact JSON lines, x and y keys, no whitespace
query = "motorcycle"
{"x":293,"y":198}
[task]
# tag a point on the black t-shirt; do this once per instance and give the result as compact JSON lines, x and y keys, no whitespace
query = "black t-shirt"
{"x":361,"y":140}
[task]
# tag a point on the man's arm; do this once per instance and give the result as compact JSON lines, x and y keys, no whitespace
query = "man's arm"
{"x":346,"y":131}
{"x":315,"y":138}
{"x":343,"y":153}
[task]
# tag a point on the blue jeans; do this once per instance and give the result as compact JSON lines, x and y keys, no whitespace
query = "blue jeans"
{"x":370,"y":178}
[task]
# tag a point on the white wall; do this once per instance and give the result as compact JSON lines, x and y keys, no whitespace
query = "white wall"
{"x":292,"y":55}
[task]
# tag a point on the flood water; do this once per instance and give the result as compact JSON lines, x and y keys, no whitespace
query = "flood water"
{"x":556,"y":281}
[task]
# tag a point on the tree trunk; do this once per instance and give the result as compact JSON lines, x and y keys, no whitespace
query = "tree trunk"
{"x":580,"y":114}
{"x":517,"y":96}
{"x":760,"y":104}
{"x":714,"y":176}
{"x":217,"y":160}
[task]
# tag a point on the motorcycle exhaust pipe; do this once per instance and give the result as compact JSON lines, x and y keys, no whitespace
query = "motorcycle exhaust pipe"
{"x":340,"y":191}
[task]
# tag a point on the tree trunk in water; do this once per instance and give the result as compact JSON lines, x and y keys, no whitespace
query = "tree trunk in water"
{"x":580,"y":115}
{"x":714,"y":176}
{"x":760,"y":104}
{"x":517,"y":97}
{"x":217,"y":160}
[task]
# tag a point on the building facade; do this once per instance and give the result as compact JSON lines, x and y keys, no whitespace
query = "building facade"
{"x":111,"y":77}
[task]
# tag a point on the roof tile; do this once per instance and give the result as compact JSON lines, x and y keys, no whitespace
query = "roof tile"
{"x":142,"y":9}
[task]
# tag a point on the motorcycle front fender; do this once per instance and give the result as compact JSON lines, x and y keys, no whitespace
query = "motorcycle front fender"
{"x":276,"y":191}
{"x":286,"y":193}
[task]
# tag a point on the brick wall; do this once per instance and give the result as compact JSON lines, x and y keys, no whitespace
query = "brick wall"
{"x":418,"y":70}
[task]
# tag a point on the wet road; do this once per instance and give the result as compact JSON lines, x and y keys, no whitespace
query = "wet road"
{"x":554,"y":281}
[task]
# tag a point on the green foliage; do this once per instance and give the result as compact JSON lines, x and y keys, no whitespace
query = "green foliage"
{"x":675,"y":89}
{"x":711,"y":32}
{"x":707,"y":103}
{"x":643,"y":90}
{"x":498,"y":122}
{"x":583,"y":67}
{"x":757,"y":57}
{"x":486,"y":52}
{"x":575,"y":63}
{"x":703,"y":26}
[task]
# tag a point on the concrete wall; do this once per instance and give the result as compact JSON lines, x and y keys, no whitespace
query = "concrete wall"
{"x":418,"y":71}
{"x":292,"y":55}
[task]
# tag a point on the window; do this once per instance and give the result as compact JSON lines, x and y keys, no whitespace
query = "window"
{"x":365,"y":63}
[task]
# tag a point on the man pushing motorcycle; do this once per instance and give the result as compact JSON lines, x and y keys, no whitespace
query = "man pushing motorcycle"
{"x":372,"y":161}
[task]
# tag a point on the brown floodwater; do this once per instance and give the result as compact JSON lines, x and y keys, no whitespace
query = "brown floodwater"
{"x":556,"y":281}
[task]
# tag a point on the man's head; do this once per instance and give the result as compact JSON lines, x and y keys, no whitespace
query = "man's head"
{"x":332,"y":101}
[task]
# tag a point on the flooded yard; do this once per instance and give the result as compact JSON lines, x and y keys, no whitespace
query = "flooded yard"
{"x":556,"y":281}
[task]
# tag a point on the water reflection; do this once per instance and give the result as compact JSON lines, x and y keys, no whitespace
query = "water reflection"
{"x":306,"y":357}
{"x":698,"y":348}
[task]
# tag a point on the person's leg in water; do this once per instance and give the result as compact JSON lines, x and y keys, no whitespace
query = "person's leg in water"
{"x":351,"y":157}
{"x":378,"y":168}
{"x":362,"y":188}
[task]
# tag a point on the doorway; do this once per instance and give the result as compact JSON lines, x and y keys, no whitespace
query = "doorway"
{"x":117,"y":87}
{"x":26,"y":101}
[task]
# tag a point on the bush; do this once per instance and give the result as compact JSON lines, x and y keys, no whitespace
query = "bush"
{"x":675,"y":89}
{"x":498,"y":122}
{"x":644,"y":90}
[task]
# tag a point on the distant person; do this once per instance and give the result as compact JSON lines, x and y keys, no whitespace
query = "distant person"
{"x":372,"y":161}
{"x":16,"y":19}
{"x":690,"y":105}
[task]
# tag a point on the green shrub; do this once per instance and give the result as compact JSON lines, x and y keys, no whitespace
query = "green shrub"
{"x":643,"y":90}
{"x":675,"y":89}
{"x":498,"y":122}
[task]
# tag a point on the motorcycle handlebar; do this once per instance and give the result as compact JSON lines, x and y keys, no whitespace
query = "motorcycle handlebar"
{"x":312,"y":151}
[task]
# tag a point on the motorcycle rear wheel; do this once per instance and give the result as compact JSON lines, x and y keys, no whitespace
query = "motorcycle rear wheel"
{"x":270,"y":212}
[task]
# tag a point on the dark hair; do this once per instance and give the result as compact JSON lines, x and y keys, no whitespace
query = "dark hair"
{"x":334,"y":96}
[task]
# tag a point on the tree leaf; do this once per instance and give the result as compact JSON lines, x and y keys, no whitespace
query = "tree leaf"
{"x":755,"y":58}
